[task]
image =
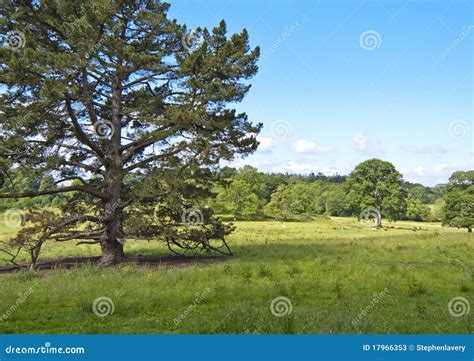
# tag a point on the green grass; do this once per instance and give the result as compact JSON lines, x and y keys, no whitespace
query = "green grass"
{"x":328,"y":269}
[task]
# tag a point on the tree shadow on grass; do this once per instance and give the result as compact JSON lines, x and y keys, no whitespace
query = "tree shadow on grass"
{"x":139,"y":260}
{"x":252,"y":252}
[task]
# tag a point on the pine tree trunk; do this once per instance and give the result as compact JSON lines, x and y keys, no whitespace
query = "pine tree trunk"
{"x":112,"y":249}
{"x":112,"y":253}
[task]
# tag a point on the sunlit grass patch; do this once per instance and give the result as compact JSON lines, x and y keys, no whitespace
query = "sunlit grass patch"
{"x":329,"y":270}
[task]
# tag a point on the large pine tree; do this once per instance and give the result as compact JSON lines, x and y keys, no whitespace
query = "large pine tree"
{"x":127,"y":110}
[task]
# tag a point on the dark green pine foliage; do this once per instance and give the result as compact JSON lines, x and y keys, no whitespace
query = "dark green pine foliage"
{"x":128,"y":111}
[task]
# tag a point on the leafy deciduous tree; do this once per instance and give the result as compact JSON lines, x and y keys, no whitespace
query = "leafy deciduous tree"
{"x":377,"y":184}
{"x":458,"y":209}
{"x":416,"y":210}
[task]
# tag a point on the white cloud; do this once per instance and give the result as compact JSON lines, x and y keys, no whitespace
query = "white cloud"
{"x":424,"y":149}
{"x":304,"y":146}
{"x":360,"y":143}
{"x":439,"y":170}
{"x":304,"y":168}
{"x":287,"y":166}
{"x":266,"y":144}
{"x":435,"y":174}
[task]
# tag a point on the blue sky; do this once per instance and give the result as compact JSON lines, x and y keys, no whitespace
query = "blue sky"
{"x":330,"y":98}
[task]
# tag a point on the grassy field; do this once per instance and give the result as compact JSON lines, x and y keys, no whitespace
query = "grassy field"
{"x":335,"y":275}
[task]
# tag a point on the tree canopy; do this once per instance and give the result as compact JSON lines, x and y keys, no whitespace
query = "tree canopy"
{"x":376,"y":184}
{"x":459,"y":201}
{"x":125,"y":110}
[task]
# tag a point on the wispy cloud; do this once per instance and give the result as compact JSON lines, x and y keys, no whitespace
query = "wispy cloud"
{"x":303,"y":168}
{"x":439,"y":170}
{"x":303,"y":146}
{"x":424,"y":149}
{"x":360,"y":143}
{"x":266,"y":144}
{"x":436,"y":174}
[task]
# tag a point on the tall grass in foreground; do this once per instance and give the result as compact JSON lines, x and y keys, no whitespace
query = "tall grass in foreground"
{"x":337,"y":275}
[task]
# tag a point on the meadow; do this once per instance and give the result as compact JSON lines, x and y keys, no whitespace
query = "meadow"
{"x":326,"y":276}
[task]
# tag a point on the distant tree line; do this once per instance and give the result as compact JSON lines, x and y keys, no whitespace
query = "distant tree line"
{"x":28,"y":181}
{"x":247,"y":194}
